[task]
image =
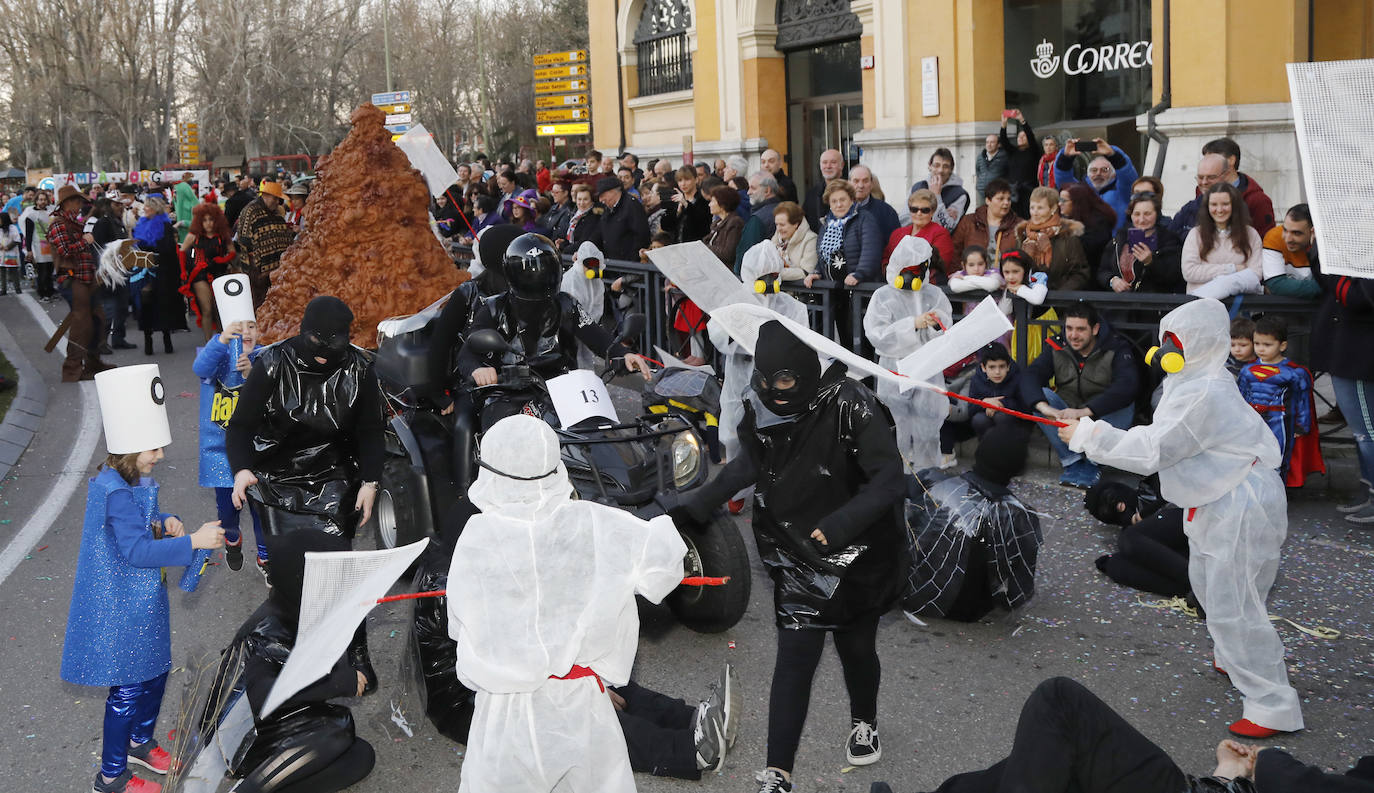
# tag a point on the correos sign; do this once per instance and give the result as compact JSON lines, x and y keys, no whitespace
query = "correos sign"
{"x":1091,"y":60}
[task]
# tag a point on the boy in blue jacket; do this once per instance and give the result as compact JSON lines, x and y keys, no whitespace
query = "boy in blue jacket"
{"x":997,"y":380}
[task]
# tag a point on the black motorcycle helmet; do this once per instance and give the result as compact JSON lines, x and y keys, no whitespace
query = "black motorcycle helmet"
{"x":533,"y":267}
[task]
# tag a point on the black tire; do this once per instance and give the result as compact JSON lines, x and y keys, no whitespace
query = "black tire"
{"x":398,"y":519}
{"x":717,"y":551}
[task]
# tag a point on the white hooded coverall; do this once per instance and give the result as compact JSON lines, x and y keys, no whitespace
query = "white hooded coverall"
{"x":890,"y":324}
{"x":1217,"y":460}
{"x":760,"y":260}
{"x":588,"y":293}
{"x":541,"y":584}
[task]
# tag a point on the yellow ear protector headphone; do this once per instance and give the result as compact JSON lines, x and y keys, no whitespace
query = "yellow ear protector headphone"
{"x":1168,"y":356}
{"x":910,"y":277}
{"x":768,"y":283}
{"x":592,"y":268}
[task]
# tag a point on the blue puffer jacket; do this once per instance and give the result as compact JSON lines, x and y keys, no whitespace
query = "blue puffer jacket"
{"x":1117,"y":194}
{"x":862,"y":249}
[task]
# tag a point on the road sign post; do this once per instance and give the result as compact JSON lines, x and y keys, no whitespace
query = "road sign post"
{"x":561,"y":96}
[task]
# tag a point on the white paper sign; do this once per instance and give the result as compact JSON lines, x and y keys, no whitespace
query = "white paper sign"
{"x":579,"y":395}
{"x":700,"y":275}
{"x":984,"y":324}
{"x":930,"y":86}
{"x":427,"y":159}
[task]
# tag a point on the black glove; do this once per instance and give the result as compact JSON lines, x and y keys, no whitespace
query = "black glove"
{"x":685,"y":511}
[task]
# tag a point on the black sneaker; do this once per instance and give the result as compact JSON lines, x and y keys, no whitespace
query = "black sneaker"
{"x":124,"y":783}
{"x":863,"y":747}
{"x":708,"y":732}
{"x":265,"y":567}
{"x":772,"y":781}
{"x":233,"y":555}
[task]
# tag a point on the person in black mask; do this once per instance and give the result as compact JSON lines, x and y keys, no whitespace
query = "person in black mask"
{"x":307,"y":437}
{"x":541,"y":324}
{"x":960,"y":576}
{"x":306,"y":744}
{"x":822,"y":455}
{"x":1153,"y":551}
{"x":452,"y":322}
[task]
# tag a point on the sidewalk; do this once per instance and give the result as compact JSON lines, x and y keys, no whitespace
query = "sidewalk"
{"x":26,"y":413}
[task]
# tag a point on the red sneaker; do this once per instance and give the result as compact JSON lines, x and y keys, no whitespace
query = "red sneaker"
{"x":150,"y":756}
{"x":735,"y":506}
{"x":137,"y":785}
{"x":124,"y":783}
{"x":1248,"y":729}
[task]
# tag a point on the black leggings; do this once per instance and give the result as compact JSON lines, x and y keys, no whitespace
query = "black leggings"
{"x":327,"y":765}
{"x":799,"y":652}
{"x":1069,"y":740}
{"x":1153,"y":555}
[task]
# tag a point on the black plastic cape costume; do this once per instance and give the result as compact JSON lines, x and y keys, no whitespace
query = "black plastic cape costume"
{"x":834,"y":467}
{"x":973,"y":546}
{"x":310,"y":435}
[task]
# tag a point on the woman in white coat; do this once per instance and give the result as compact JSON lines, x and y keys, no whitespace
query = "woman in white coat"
{"x":1216,"y":460}
{"x":903,"y":315}
{"x":762,"y":271}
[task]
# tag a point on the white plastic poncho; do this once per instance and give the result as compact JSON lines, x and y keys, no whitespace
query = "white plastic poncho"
{"x":539,"y":584}
{"x":588,"y":293}
{"x":760,"y":260}
{"x":890,"y":324}
{"x":1216,"y":458}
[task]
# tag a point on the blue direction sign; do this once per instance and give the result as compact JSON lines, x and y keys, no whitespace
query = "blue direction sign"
{"x":397,"y":128}
{"x":391,"y":98}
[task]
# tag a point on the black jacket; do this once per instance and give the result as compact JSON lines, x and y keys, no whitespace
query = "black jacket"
{"x":235,"y":203}
{"x":557,"y":219}
{"x":1119,"y":393}
{"x":550,"y":348}
{"x":1343,"y":328}
{"x":1276,"y":771}
{"x":787,"y":189}
{"x":623,"y":230}
{"x":835,"y":468}
{"x":861,"y":250}
{"x":449,"y":329}
{"x":694,"y":220}
{"x":884,"y":214}
{"x":588,"y":228}
{"x":1164,"y":274}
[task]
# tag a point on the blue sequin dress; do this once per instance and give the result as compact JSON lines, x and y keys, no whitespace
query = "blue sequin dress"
{"x":119,"y":627}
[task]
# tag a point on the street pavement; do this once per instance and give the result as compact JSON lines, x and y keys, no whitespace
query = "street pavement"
{"x":951,"y":691}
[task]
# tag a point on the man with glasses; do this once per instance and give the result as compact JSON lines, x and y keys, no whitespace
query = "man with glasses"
{"x":921,"y":204}
{"x":1110,"y":172}
{"x":952,"y":199}
{"x":1210,"y":170}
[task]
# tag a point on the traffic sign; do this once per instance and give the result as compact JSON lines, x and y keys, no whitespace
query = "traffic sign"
{"x":576,"y":128}
{"x":397,"y":128}
{"x":556,"y":72}
{"x":400,"y":118}
{"x":567,"y":100}
{"x":392,"y":97}
{"x":569,"y":114}
{"x":551,"y":58}
{"x":390,"y":109}
{"x":560,"y":86}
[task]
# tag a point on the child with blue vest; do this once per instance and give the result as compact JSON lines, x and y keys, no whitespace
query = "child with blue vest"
{"x":119,"y":626}
{"x":222,"y":365}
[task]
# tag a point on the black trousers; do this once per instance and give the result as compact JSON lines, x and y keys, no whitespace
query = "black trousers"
{"x":1153,"y":555}
{"x":658,"y":732}
{"x":799,"y":652}
{"x":1069,"y":741}
{"x":328,"y":765}
{"x":954,"y":432}
{"x":44,"y":283}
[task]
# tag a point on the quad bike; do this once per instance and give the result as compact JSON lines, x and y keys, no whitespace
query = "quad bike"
{"x":430,"y":463}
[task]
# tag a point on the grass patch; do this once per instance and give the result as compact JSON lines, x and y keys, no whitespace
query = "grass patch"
{"x":6,"y":397}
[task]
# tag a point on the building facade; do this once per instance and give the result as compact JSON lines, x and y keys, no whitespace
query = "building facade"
{"x":888,"y":81}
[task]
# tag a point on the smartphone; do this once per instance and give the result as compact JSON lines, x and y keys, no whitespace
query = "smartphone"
{"x":1008,"y":114}
{"x":1138,"y":236}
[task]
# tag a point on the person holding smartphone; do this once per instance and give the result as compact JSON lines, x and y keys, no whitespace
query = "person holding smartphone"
{"x":1145,"y":256}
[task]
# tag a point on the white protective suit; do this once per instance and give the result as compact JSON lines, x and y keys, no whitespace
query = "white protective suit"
{"x":541,"y":584}
{"x":1217,"y":459}
{"x":588,"y":293}
{"x":890,"y":324}
{"x":760,"y":260}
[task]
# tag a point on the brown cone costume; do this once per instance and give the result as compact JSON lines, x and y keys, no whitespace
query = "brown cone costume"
{"x":366,"y":240}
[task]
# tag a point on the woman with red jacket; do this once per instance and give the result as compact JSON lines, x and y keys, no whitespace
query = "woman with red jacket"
{"x":205,"y":256}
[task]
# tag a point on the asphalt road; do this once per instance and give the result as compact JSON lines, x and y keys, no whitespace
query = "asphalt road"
{"x":951,"y":692}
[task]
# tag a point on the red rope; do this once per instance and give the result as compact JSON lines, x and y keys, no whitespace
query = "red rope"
{"x":448,"y":191}
{"x":688,"y":581}
{"x":980,"y":403}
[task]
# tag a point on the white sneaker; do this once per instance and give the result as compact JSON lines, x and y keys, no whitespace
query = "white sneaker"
{"x":948,"y":461}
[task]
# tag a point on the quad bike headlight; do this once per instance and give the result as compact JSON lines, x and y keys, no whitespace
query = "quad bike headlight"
{"x":686,"y":458}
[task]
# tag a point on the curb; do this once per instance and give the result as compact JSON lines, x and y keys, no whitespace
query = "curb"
{"x":26,"y":412}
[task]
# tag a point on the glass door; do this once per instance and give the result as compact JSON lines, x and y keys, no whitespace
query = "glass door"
{"x":823,"y":123}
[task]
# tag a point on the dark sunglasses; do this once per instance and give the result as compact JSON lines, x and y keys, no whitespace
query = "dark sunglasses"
{"x":921,"y":210}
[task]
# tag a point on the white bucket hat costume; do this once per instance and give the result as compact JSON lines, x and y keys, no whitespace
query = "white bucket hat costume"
{"x":762,"y":264}
{"x":541,"y":603}
{"x":1217,"y":459}
{"x":233,"y":299}
{"x":133,"y":408}
{"x":890,"y":324}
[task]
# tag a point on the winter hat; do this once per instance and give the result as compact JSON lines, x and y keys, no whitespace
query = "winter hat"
{"x":1001,"y":454}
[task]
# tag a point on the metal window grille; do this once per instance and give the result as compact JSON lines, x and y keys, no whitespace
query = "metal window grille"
{"x":664,"y":57}
{"x":665,"y":64}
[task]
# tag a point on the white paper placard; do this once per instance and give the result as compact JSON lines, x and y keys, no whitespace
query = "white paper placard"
{"x":579,"y":395}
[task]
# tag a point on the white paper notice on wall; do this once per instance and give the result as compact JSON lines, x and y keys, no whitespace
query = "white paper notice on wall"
{"x":579,"y":395}
{"x":930,"y":85}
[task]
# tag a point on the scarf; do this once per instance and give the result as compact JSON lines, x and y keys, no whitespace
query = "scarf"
{"x":572,"y":224}
{"x":1040,"y":241}
{"x":833,"y":237}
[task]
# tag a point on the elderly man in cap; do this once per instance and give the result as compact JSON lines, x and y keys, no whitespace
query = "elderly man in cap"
{"x":624,"y":227}
{"x":264,"y":235}
{"x":74,"y":257}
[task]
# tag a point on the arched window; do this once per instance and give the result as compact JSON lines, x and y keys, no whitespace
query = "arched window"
{"x":664,"y":62}
{"x":807,"y":23}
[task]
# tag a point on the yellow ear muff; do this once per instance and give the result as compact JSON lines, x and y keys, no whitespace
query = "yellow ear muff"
{"x":760,"y":287}
{"x":899,"y":282}
{"x":915,"y":284}
{"x":1172,"y":362}
{"x":591,"y":274}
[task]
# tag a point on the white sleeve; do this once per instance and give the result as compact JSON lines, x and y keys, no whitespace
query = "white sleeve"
{"x":1273,"y":264}
{"x":960,"y":283}
{"x":987,"y":283}
{"x":1032,"y":293}
{"x":659,"y":570}
{"x":1142,"y":450}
